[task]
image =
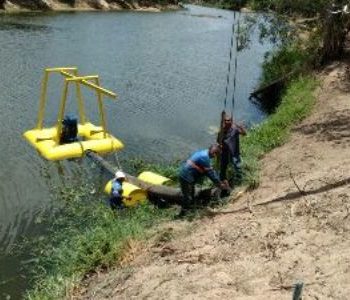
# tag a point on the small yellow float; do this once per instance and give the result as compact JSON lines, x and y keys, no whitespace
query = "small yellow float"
{"x":135,"y":195}
{"x":48,"y":141}
{"x":153,"y":178}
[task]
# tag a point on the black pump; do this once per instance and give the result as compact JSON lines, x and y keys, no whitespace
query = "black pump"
{"x":69,"y":129}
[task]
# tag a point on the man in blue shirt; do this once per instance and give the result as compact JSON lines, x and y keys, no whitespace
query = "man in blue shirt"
{"x":195,"y":168}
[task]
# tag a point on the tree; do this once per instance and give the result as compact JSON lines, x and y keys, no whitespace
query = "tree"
{"x":331,"y":21}
{"x":335,"y":26}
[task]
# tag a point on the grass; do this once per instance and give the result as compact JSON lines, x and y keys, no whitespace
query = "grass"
{"x":88,"y":236}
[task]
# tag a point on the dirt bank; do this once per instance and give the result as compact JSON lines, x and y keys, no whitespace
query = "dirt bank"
{"x":251,"y":251}
{"x":71,"y":5}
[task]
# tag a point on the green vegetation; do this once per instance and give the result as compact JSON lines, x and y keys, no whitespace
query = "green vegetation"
{"x":325,"y":19}
{"x":287,"y":60}
{"x":291,"y":7}
{"x":86,"y":236}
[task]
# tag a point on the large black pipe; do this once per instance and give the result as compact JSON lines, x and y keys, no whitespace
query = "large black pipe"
{"x":155,"y":193}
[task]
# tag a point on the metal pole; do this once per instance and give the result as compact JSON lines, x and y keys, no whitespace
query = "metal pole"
{"x":61,"y":110}
{"x":80,"y":101}
{"x":84,"y":81}
{"x":43,"y":93}
{"x":298,"y":289}
{"x":101,"y":109}
{"x":42,"y":101}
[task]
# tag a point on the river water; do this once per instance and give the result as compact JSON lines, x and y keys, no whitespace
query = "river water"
{"x":168,"y":69}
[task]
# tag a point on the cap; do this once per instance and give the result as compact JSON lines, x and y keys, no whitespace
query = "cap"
{"x":119,"y":174}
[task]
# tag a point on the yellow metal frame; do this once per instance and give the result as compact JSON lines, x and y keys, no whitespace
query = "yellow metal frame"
{"x":93,"y":138}
{"x":73,"y":77}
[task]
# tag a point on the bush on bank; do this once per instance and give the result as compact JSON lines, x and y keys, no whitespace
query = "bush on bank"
{"x":287,"y":60}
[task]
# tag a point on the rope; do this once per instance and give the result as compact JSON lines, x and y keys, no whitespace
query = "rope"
{"x":235,"y":71}
{"x":116,"y":157}
{"x":230,"y":62}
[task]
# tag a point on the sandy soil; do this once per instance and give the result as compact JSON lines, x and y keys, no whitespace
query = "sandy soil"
{"x":300,"y":232}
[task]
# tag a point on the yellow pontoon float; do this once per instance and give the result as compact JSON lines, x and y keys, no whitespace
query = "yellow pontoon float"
{"x":50,"y":142}
{"x":135,"y":194}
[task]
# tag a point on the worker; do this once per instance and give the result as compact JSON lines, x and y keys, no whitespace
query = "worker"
{"x":231,"y":149}
{"x":195,"y":168}
{"x":116,"y":199}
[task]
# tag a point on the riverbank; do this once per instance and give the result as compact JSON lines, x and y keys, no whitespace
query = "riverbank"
{"x":17,"y":6}
{"x":66,"y":268}
{"x":294,"y":227}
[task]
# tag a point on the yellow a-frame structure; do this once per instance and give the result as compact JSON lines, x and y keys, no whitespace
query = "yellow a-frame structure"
{"x":90,"y":137}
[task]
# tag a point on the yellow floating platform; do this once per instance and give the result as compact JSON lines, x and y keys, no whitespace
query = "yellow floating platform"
{"x":88,"y":136}
{"x":92,"y":138}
